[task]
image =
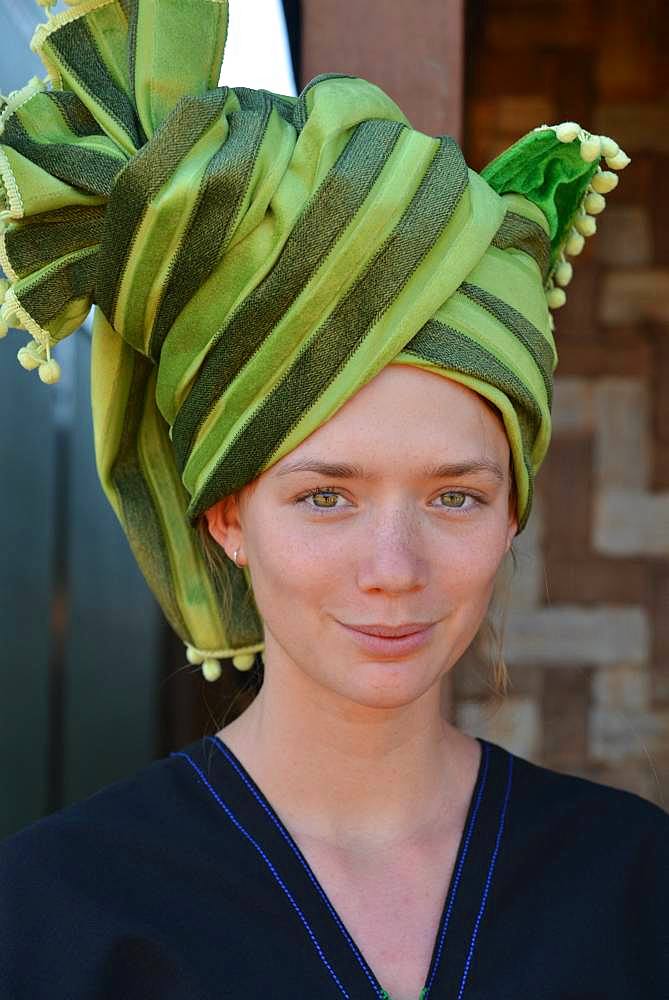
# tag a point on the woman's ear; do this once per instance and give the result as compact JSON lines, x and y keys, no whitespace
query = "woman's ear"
{"x":224,"y":524}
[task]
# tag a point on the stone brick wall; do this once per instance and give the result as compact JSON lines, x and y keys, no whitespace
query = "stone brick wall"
{"x":587,"y":635}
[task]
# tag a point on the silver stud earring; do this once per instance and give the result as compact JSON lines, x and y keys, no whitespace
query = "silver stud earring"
{"x":235,"y":557}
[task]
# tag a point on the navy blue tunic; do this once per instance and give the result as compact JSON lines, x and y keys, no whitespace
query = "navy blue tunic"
{"x":182,"y":883}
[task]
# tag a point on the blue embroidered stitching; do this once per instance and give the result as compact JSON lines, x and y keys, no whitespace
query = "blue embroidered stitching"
{"x":488,"y":879}
{"x":220,"y":746}
{"x":461,"y":865}
{"x":269,"y":864}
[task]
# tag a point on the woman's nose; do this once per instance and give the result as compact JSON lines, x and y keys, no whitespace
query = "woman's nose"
{"x":392,"y":555}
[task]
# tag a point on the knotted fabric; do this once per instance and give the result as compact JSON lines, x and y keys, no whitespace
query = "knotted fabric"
{"x":254,"y":259}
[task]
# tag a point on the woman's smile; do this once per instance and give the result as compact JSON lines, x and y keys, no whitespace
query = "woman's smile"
{"x":387,"y":645}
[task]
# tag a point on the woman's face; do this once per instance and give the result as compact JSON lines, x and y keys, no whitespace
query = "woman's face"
{"x":389,"y":542}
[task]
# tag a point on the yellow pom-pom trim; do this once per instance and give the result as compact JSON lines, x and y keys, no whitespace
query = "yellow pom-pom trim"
{"x":609,"y":146}
{"x":194,"y":656}
{"x":567,"y":131}
{"x":563,"y":273}
{"x":594,"y":203}
{"x":591,"y":149}
{"x":243,"y":661}
{"x":604,"y":181}
{"x":575,"y":243}
{"x":556,"y":297}
{"x":28,"y":359}
{"x":619,"y":161}
{"x":211,"y":669}
{"x":586,"y":225}
{"x":210,"y":659}
{"x":49,"y":371}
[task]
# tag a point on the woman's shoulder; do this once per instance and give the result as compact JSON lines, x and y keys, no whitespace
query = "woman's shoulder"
{"x":570,"y":787}
{"x":123,"y":814}
{"x":581,"y":811}
{"x":102,"y":885}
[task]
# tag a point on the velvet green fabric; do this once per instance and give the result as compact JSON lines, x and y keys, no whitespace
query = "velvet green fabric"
{"x":254,"y":259}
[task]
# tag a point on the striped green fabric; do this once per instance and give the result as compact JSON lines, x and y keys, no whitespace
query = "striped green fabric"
{"x":253,"y":259}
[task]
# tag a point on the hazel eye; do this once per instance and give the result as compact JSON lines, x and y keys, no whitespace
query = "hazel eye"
{"x":453,"y":493}
{"x":328,"y":492}
{"x":465,"y":508}
{"x":327,"y":495}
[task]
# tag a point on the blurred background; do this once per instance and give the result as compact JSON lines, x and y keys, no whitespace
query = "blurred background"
{"x":93,"y":683}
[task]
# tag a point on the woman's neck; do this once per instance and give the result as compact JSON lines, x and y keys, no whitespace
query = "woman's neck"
{"x":349,"y":775}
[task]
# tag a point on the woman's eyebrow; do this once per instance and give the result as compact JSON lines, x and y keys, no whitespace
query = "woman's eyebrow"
{"x":344,"y":470}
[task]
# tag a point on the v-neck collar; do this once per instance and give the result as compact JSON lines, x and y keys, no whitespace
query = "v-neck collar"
{"x":462,"y":918}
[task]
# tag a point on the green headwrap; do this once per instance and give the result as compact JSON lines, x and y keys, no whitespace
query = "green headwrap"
{"x":254,"y":259}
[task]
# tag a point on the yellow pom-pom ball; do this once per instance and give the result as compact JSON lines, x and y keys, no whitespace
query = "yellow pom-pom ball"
{"x":619,"y":161}
{"x":27,"y":359}
{"x":567,"y":131}
{"x":574,"y":244}
{"x":556,"y":297}
{"x":243,"y":661}
{"x":49,"y":371}
{"x":609,"y":146}
{"x":586,"y":225}
{"x":604,"y":181}
{"x":193,"y":656}
{"x":4,"y":329}
{"x":211,"y":669}
{"x":594,"y":203}
{"x":591,"y":149}
{"x":563,"y":273}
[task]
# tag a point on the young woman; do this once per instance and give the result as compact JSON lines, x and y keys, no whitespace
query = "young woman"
{"x":323,"y":345}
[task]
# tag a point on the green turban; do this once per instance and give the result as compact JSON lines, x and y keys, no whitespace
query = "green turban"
{"x":254,"y":259}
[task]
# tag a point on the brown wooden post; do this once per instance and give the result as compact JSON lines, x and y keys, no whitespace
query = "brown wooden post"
{"x":414,"y":52}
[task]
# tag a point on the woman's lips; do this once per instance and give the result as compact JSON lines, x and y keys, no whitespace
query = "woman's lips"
{"x":382,"y":645}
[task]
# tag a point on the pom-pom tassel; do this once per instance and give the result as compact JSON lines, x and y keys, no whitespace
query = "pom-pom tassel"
{"x":49,"y":371}
{"x":592,"y":147}
{"x":210,"y":662}
{"x":563,"y":273}
{"x":594,"y":203}
{"x":585,"y":224}
{"x":575,"y":243}
{"x":36,"y":354}
{"x":556,"y":297}
{"x":31,"y":356}
{"x":244,"y":661}
{"x":211,"y":669}
{"x":604,"y":181}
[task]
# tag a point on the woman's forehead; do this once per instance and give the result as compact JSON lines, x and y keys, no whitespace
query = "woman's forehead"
{"x":409,"y":418}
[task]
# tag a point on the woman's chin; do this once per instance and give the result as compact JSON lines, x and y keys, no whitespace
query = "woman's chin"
{"x":386,"y":685}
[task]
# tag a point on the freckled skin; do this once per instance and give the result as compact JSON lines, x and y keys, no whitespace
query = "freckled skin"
{"x":392,"y":552}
